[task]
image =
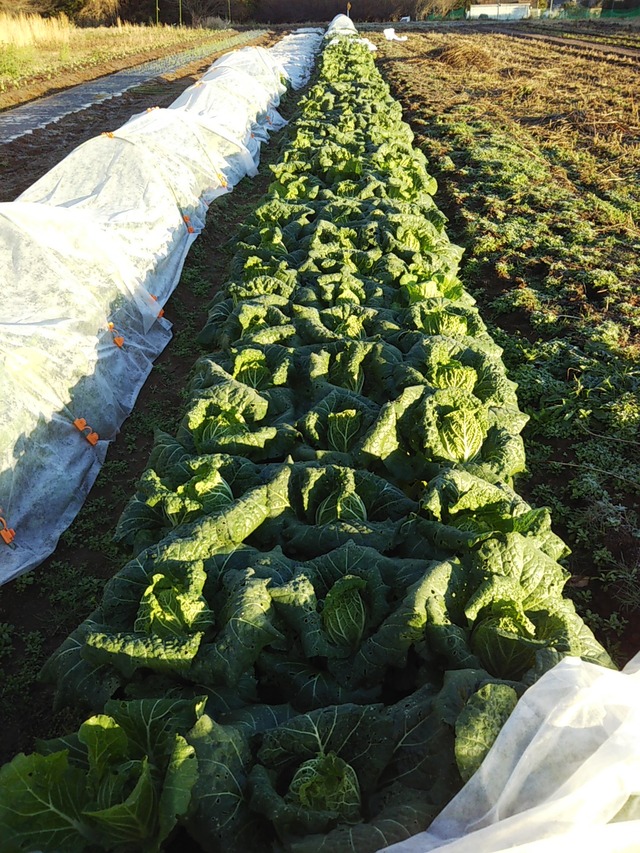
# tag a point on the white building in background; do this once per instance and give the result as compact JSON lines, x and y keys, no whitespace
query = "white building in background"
{"x":500,"y":11}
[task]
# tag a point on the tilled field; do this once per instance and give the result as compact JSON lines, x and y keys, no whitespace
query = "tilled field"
{"x":601,"y":33}
{"x":536,"y":158}
{"x":536,"y":153}
{"x":331,"y":576}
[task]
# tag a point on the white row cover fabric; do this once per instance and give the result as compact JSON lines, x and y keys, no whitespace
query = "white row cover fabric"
{"x":341,"y":26}
{"x":88,"y":256}
{"x":563,"y":774}
{"x":294,"y":57}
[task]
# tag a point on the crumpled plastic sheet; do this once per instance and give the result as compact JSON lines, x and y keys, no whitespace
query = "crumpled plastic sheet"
{"x":88,"y":256}
{"x":563,"y":774}
{"x":390,"y":34}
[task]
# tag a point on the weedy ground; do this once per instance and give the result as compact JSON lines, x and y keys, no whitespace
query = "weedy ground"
{"x":536,"y":152}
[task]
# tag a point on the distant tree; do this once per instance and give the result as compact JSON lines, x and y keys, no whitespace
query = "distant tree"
{"x":200,"y":10}
{"x":28,"y":7}
{"x":98,"y":12}
{"x":423,"y":8}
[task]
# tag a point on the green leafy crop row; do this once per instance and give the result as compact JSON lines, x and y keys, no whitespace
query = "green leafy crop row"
{"x":336,"y":596}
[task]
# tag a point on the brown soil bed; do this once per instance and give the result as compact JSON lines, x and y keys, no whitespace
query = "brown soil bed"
{"x":578,"y":44}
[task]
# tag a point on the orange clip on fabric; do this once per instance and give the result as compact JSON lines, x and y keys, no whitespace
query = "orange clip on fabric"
{"x":155,"y":299}
{"x":7,"y":534}
{"x":81,"y":425}
{"x":117,"y":339}
{"x":108,"y":133}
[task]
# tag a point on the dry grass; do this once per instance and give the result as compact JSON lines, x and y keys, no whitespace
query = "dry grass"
{"x":463,"y":55}
{"x":31,"y":30}
{"x":35,"y":48}
{"x":583,"y":111}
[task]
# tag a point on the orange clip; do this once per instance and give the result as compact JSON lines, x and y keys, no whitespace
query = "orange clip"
{"x":81,"y":425}
{"x":155,"y":299}
{"x":151,"y":109}
{"x":108,"y":133}
{"x":7,"y":534}
{"x":117,"y":339}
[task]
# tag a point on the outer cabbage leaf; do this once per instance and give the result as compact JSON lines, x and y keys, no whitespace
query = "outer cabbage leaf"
{"x":423,"y":755}
{"x":129,"y":651}
{"x":399,"y":813}
{"x":247,"y":626}
{"x":504,"y":640}
{"x":232,"y":526}
{"x":461,"y":500}
{"x":307,"y":688}
{"x":479,"y":724}
{"x":313,"y":540}
{"x":514,"y":568}
{"x":78,"y":681}
{"x":297,"y":604}
{"x":219,"y":819}
{"x":41,"y":804}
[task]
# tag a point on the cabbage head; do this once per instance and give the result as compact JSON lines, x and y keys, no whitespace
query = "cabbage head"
{"x":327,"y":783}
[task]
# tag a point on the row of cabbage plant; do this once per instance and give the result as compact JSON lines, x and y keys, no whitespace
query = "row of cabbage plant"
{"x":336,"y":596}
